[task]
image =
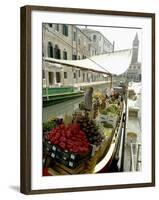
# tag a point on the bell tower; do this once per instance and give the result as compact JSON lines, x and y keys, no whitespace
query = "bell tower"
{"x":135,"y":49}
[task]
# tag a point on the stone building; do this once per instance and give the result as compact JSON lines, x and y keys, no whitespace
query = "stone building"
{"x":99,"y":43}
{"x":68,"y":42}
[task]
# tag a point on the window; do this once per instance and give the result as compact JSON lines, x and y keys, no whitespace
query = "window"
{"x":57,"y":27}
{"x":74,"y":36}
{"x":83,"y":76}
{"x":65,"y":75}
{"x":50,"y":50}
{"x":79,"y":41}
{"x":58,"y":77}
{"x":92,"y":77}
{"x":57,"y":52}
{"x":94,"y":38}
{"x":87,"y":77}
{"x":83,"y":57}
{"x":79,"y":73}
{"x":74,"y":75}
{"x":65,"y":55}
{"x":43,"y":74}
{"x":50,"y":25}
{"x":79,"y":57}
{"x":65,"y":30}
{"x":74,"y":57}
{"x":51,"y":78}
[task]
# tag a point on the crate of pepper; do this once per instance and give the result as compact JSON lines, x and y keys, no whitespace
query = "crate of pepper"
{"x":68,"y":145}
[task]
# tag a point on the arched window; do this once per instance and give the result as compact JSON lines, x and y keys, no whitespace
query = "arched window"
{"x":57,"y":52}
{"x":50,"y":50}
{"x":94,"y":38}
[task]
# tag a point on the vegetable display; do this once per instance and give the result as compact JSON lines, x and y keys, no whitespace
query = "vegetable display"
{"x":91,"y":130}
{"x":107,"y":125}
{"x":70,"y":138}
{"x":112,"y":110}
{"x":47,"y":126}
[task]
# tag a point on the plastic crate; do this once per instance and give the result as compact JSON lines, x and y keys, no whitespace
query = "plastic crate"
{"x":65,"y":157}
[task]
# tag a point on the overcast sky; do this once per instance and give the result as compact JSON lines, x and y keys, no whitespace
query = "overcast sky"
{"x":123,"y":37}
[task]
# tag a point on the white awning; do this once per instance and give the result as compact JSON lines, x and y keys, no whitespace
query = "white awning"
{"x":114,"y":63}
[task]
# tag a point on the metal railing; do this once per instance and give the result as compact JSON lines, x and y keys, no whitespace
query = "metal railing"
{"x":135,"y":156}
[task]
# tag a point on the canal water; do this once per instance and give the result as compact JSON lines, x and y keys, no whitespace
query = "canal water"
{"x":67,"y":107}
{"x":61,"y":109}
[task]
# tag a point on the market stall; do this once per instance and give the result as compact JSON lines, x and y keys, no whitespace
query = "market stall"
{"x":77,"y":144}
{"x":87,"y":140}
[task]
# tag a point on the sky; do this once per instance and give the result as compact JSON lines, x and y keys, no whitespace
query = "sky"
{"x":123,"y":37}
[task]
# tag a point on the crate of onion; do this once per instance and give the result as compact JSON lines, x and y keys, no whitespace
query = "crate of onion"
{"x":68,"y":145}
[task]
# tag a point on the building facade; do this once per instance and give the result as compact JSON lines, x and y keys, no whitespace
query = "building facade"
{"x":68,"y":42}
{"x":99,"y":43}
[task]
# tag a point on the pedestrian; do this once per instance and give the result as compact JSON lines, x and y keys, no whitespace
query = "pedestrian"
{"x":88,"y":99}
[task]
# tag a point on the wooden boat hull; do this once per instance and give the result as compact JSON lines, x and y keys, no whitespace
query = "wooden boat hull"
{"x":108,"y":161}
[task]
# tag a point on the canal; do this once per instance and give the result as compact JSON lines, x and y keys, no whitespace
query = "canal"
{"x":61,"y":109}
{"x":67,"y":107}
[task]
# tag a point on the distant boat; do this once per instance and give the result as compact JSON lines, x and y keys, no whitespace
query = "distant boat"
{"x":57,"y":95}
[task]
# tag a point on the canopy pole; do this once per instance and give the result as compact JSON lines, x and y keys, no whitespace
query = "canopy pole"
{"x":111,"y":81}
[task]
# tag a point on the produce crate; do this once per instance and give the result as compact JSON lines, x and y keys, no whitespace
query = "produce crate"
{"x":67,"y":158}
{"x":47,"y":146}
{"x":109,"y":119}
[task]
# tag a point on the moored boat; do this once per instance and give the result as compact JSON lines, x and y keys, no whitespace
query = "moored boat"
{"x":56,"y":95}
{"x":103,"y":151}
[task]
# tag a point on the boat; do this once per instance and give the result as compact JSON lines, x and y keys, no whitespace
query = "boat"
{"x":102,"y":157}
{"x":115,"y":147}
{"x":52,"y":96}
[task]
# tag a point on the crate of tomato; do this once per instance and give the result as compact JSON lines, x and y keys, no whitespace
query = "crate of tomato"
{"x":68,"y":145}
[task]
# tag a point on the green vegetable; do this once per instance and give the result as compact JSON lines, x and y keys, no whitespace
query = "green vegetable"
{"x":107,"y":125}
{"x":112,"y":110}
{"x":47,"y":126}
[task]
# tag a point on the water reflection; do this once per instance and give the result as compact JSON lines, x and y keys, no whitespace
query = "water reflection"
{"x":59,"y":110}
